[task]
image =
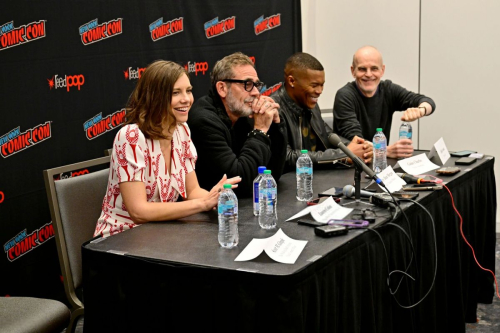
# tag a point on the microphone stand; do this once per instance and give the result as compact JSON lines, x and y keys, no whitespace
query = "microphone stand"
{"x":357,"y":187}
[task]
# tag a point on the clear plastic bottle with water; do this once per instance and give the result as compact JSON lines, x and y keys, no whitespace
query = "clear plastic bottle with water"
{"x":228,"y":218}
{"x":268,"y":200}
{"x":256,"y":182}
{"x":405,"y":131}
{"x":304,"y":174}
{"x":379,"y":151}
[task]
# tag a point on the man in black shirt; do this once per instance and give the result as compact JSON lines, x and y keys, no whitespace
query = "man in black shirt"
{"x":298,"y":100}
{"x":234,"y":128}
{"x":367,"y":103}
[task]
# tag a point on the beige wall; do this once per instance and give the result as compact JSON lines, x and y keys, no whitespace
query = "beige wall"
{"x":458,"y":46}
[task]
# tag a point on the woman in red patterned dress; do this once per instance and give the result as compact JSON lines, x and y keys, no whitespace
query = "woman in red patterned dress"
{"x":153,"y":157}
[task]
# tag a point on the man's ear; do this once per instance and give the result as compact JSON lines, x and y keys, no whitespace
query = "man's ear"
{"x":222,"y":89}
{"x":352,"y":72}
{"x":290,"y":80}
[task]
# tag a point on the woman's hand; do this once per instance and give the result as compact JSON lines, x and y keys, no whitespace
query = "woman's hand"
{"x":211,"y":199}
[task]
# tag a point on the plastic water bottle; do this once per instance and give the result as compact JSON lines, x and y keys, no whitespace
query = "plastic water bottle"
{"x":405,"y":131}
{"x":304,"y":177}
{"x":268,"y":199}
{"x":379,"y":151}
{"x":256,"y":182}
{"x":228,"y":218}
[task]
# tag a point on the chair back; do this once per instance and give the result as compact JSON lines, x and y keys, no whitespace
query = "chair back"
{"x":75,"y":205}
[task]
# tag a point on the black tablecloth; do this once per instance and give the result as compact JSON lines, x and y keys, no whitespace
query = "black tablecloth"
{"x":174,"y":276}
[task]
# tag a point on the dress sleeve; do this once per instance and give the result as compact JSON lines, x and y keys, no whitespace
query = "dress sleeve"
{"x":128,"y":160}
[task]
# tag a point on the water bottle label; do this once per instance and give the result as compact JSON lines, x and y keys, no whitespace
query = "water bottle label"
{"x":403,"y":133}
{"x":228,"y":207}
{"x":256,"y":193}
{"x":306,"y":170}
{"x":271,"y":194}
{"x":380,"y":145}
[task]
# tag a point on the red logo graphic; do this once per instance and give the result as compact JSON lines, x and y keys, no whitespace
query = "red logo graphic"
{"x":98,"y":125}
{"x":161,"y":30}
{"x":93,"y":32}
{"x":2,"y":196}
{"x":195,"y":67}
{"x":268,"y":91}
{"x":15,"y":141}
{"x":23,"y":243}
{"x":131,"y":73}
{"x":214,"y":28}
{"x":11,"y":36}
{"x":262,"y":24}
{"x":67,"y":82}
{"x":71,"y":174}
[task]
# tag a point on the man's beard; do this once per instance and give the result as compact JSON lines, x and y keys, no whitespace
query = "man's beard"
{"x":237,"y":107}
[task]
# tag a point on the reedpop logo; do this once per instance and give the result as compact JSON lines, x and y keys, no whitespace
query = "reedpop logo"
{"x":195,"y":67}
{"x":67,"y":82}
{"x":134,"y":73}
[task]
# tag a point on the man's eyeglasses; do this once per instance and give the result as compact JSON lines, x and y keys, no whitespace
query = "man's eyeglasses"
{"x":248,"y":84}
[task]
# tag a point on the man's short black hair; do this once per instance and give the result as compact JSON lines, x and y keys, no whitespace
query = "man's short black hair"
{"x":301,"y":60}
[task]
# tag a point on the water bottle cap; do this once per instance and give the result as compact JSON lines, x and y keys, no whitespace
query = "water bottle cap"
{"x":304,"y":151}
{"x":227,"y":185}
{"x":379,"y":129}
{"x":261,"y":169}
{"x":267,"y":172}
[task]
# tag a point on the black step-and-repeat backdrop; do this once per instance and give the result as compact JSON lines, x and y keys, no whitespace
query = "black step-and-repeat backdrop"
{"x":66,"y":71}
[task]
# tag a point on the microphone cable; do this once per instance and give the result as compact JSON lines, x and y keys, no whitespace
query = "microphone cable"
{"x":408,"y":236}
{"x":467,"y":242}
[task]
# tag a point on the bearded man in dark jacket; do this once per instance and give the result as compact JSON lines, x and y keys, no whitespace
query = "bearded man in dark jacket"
{"x":234,"y":128}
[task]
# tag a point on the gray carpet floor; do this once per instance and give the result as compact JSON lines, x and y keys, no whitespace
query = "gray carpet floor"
{"x":488,"y":315}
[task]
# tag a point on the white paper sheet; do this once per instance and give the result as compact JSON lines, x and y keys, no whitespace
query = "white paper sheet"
{"x":391,"y":180}
{"x":440,"y":150}
{"x":278,"y":247}
{"x":417,"y":165}
{"x":326,"y":210}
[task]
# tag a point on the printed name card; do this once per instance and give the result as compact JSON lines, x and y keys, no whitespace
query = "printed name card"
{"x":325,"y":211}
{"x":439,"y":149}
{"x":391,"y":180}
{"x":278,"y":247}
{"x":417,"y":165}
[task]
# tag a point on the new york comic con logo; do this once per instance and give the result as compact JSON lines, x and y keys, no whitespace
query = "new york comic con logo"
{"x":11,"y":36}
{"x":214,"y":27}
{"x":23,"y":243}
{"x":66,"y":81}
{"x":97,"y":125}
{"x":160,"y":30}
{"x":262,"y":24}
{"x":268,"y":91}
{"x":134,"y":73}
{"x":93,"y":32}
{"x":15,"y":141}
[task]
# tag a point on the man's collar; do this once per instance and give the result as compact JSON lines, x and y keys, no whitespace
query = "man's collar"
{"x":361,"y":93}
{"x":291,"y":104}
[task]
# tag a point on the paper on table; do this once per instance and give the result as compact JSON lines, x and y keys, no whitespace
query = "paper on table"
{"x":328,"y":210}
{"x":325,"y":211}
{"x":278,"y":247}
{"x":417,"y":165}
{"x":440,"y":150}
{"x":391,"y":180}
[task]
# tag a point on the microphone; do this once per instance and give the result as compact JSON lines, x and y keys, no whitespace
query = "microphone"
{"x":409,"y":179}
{"x":335,"y":141}
{"x":349,"y":191}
